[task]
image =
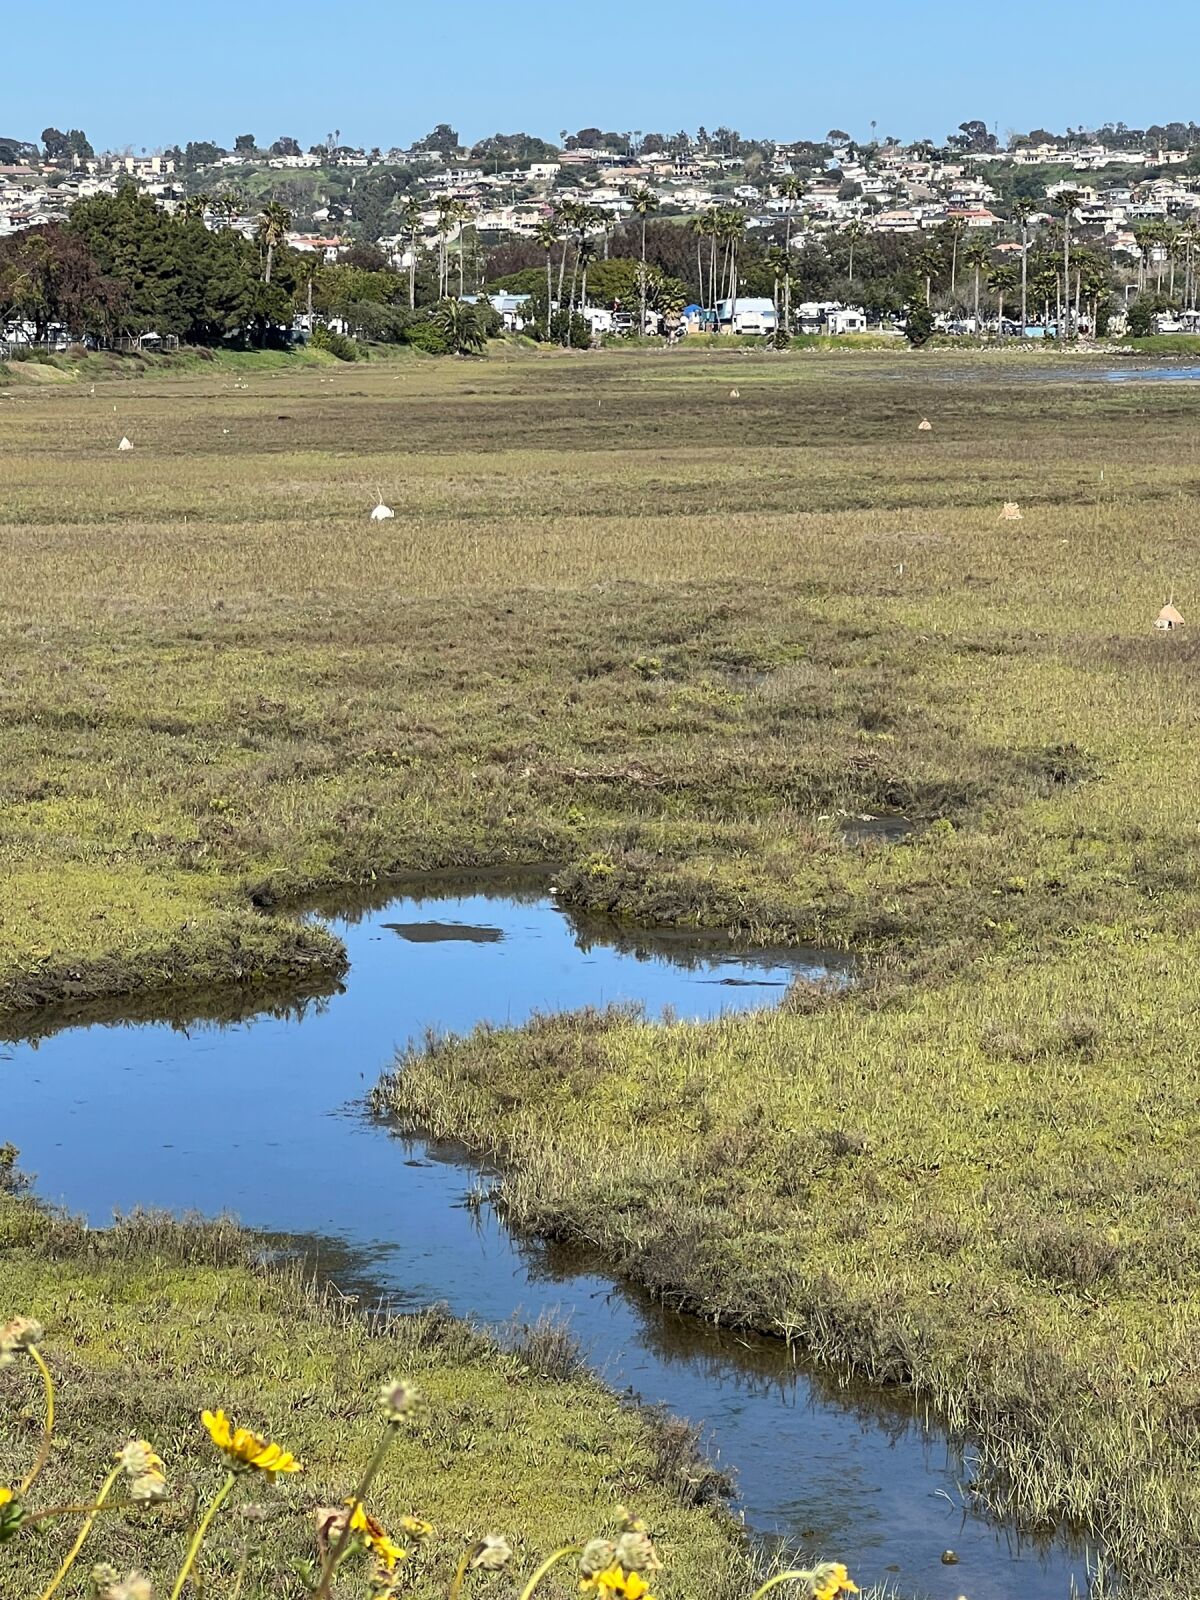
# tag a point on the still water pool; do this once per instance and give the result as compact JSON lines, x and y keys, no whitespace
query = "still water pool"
{"x":264,"y":1117}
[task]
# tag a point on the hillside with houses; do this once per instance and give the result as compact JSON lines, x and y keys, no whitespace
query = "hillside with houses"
{"x":829,"y":234}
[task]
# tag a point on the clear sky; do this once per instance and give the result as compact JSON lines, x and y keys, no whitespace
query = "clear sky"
{"x":384,"y":71}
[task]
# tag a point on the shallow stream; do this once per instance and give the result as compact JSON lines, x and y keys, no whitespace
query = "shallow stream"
{"x":264,"y":1117}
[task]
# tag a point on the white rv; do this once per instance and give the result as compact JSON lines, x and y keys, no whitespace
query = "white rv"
{"x":746,"y":316}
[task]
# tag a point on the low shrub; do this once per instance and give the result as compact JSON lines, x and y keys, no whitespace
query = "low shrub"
{"x":336,"y":344}
{"x":424,"y":336}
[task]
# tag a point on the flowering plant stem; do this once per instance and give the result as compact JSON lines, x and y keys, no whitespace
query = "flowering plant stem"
{"x":69,"y":1559}
{"x":339,"y":1546}
{"x":550,"y":1561}
{"x":189,"y":1561}
{"x":48,"y":1431}
{"x":780,"y":1577}
{"x":460,"y":1572}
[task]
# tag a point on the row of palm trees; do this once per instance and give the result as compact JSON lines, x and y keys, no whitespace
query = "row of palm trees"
{"x":574,"y":225}
{"x":1165,"y":245}
{"x":724,"y":229}
{"x":1054,"y":283}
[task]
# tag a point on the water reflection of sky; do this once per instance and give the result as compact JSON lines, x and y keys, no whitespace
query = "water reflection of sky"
{"x":262,"y":1117}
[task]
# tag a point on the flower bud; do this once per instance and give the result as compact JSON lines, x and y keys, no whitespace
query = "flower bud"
{"x":492,"y":1553}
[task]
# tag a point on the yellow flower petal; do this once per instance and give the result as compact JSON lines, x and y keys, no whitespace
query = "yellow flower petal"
{"x":247,"y":1449}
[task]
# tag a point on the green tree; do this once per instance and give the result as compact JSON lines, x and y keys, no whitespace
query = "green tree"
{"x":587,"y":254}
{"x":443,"y":141}
{"x":918,"y":323}
{"x":245,"y":144}
{"x":56,"y":144}
{"x":202,"y":153}
{"x":708,"y":226}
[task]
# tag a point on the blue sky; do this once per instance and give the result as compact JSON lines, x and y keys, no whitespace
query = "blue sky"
{"x":135,"y":73}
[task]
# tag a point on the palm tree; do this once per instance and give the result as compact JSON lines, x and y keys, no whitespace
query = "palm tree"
{"x":1045,"y":283}
{"x":583,"y":220}
{"x":1022,"y":211}
{"x":953,"y":230}
{"x":462,"y":214}
{"x":273,"y":224}
{"x":460,"y":326}
{"x":978,"y":256}
{"x":644,"y":202}
{"x":230,"y":206}
{"x":927,"y":264}
{"x":708,"y":226}
{"x":732,"y":231}
{"x":792,"y":189}
{"x":1095,"y":283}
{"x":445,"y":223}
{"x":701,"y":228}
{"x":1162,"y":234}
{"x":587,"y":254}
{"x":547,"y":236}
{"x":1144,"y":235}
{"x":1189,"y":238}
{"x":1173,"y":252}
{"x":1069,"y":200}
{"x":567,"y":217}
{"x":777,"y":260}
{"x":194,"y":207}
{"x":1002,"y":280}
{"x":853,"y":233}
{"x":410,"y":223}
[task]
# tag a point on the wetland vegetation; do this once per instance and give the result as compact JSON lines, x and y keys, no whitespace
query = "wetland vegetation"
{"x":661,"y":638}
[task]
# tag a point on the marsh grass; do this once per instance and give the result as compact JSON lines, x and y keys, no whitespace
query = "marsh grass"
{"x":151,"y":1321}
{"x":616,"y":624}
{"x":624,"y":625}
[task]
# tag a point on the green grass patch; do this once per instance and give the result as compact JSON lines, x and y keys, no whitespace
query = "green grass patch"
{"x":151,"y":1322}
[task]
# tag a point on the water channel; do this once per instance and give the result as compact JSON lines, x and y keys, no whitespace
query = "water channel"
{"x":263,"y":1116}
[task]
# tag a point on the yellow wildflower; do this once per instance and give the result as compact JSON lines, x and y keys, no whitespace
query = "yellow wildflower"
{"x":382,"y":1546}
{"x":614,"y":1583}
{"x":830,"y":1580}
{"x":246,"y":1449}
{"x":12,"y":1514}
